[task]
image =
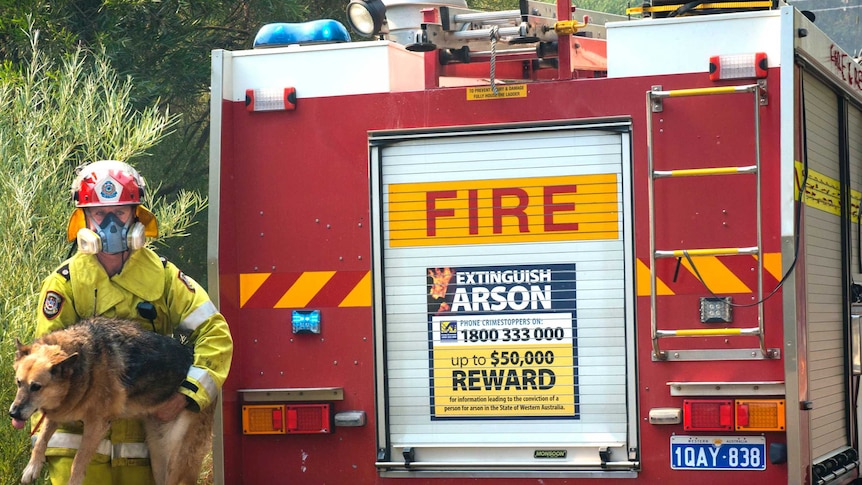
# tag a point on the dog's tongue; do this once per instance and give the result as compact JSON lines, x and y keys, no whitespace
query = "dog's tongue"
{"x":17,"y":423}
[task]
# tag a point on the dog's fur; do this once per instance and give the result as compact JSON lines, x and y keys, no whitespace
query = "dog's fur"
{"x":103,"y":369}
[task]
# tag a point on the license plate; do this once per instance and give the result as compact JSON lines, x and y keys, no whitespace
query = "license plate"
{"x":718,"y":452}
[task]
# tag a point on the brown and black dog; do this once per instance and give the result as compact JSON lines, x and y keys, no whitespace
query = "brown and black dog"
{"x":103,"y":369}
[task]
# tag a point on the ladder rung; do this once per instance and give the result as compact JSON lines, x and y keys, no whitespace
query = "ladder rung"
{"x":680,"y":253}
{"x":708,"y":332}
{"x":678,"y":93}
{"x":696,"y":172}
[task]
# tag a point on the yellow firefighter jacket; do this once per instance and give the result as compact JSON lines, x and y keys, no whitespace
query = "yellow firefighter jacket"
{"x":160,"y":297}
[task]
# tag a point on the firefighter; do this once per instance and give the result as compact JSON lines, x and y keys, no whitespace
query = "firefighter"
{"x":114,"y":274}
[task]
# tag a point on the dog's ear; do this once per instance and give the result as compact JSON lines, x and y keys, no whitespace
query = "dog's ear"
{"x":21,"y":350}
{"x":65,"y":365}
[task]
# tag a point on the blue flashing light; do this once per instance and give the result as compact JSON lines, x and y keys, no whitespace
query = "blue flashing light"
{"x":306,"y":321}
{"x":313,"y":32}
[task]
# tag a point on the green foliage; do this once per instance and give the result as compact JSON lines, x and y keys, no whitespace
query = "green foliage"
{"x":163,"y":47}
{"x":53,"y":117}
{"x":607,"y":6}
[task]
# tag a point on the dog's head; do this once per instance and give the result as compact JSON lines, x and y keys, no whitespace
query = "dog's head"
{"x":42,"y":375}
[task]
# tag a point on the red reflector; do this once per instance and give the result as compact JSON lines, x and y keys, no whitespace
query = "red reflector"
{"x":742,"y":417}
{"x":707,"y":415}
{"x":429,"y":16}
{"x":726,"y":415}
{"x":277,"y":419}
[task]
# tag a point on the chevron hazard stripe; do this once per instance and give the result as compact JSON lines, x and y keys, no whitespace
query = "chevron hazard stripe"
{"x":719,"y":274}
{"x":305,"y":289}
{"x":716,"y":276}
{"x":643,"y":285}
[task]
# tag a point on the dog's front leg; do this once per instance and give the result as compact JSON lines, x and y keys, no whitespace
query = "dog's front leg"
{"x":93,"y":433}
{"x":37,"y":456}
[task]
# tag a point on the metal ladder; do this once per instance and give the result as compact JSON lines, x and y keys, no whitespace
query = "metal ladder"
{"x":654,"y":99}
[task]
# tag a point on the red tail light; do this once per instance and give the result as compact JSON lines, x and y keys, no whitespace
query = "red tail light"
{"x":708,"y":415}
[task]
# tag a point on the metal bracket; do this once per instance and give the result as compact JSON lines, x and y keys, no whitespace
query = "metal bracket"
{"x":409,"y":455}
{"x":292,"y":394}
{"x":716,"y":354}
{"x":726,"y":388}
{"x":761,"y":92}
{"x":656,"y":105}
{"x":605,"y":456}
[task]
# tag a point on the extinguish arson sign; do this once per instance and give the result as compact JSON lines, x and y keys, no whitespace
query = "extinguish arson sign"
{"x":503,"y":341}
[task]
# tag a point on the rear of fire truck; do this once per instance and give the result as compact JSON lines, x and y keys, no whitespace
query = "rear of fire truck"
{"x":539,"y":246}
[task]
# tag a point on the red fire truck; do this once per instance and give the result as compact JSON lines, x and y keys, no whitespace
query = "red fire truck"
{"x":539,"y":246}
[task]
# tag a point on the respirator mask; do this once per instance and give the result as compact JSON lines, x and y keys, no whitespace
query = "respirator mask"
{"x":111,"y":236}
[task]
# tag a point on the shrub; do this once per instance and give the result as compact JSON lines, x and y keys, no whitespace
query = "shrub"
{"x":55,"y":116}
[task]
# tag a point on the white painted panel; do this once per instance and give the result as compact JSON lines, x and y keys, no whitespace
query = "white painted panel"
{"x":685,"y":44}
{"x":327,"y":70}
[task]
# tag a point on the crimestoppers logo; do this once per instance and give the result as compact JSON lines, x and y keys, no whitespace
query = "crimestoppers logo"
{"x":448,"y":330}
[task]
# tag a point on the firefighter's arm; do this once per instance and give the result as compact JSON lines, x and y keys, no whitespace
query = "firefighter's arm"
{"x":56,"y":309}
{"x":198,"y":318}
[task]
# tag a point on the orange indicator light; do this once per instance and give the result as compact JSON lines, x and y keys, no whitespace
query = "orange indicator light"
{"x":263,"y":419}
{"x":760,"y":415}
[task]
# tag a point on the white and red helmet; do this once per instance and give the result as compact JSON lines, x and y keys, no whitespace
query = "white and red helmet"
{"x":108,"y":182}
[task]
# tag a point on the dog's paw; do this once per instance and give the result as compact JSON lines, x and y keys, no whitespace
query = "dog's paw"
{"x":31,"y":473}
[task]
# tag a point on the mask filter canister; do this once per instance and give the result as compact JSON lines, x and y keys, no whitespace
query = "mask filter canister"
{"x":88,"y":241}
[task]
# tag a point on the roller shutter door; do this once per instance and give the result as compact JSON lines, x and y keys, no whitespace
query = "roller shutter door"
{"x":823,"y":283}
{"x":504,"y":298}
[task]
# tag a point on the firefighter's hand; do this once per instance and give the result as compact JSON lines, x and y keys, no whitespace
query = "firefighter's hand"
{"x":171,"y":408}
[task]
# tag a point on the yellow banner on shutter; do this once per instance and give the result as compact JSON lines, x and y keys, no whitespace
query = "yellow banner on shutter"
{"x":564,"y":208}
